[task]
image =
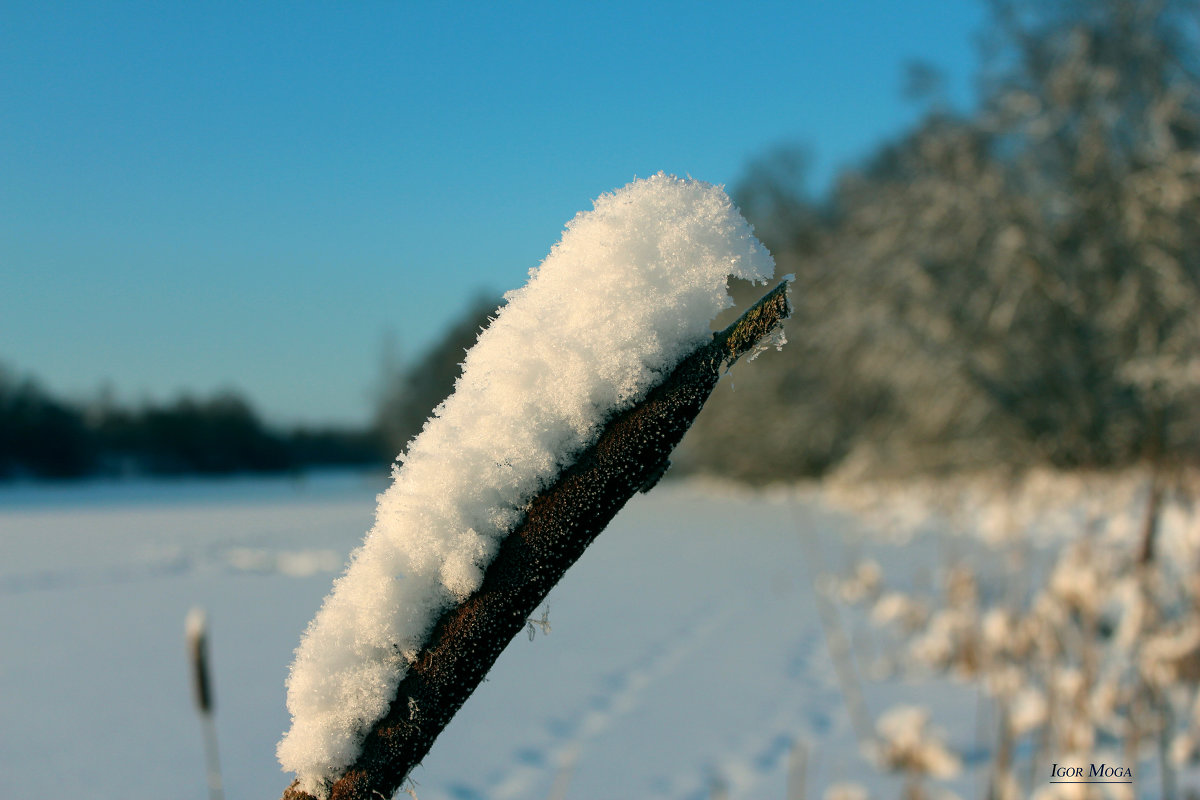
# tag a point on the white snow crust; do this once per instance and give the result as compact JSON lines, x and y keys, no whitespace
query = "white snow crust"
{"x":630,"y":290}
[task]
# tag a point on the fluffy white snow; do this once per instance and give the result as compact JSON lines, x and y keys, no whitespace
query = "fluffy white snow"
{"x":630,"y":289}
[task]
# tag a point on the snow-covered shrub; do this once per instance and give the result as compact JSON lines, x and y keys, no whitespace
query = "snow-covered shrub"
{"x":1081,"y":622}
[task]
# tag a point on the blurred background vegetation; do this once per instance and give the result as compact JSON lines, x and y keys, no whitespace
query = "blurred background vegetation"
{"x":1012,"y":288}
{"x":1016,"y":286}
{"x":44,"y":437}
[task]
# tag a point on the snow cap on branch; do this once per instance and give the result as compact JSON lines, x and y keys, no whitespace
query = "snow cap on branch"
{"x":628,"y":292}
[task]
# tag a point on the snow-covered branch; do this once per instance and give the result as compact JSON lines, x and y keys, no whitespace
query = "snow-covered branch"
{"x":560,"y":523}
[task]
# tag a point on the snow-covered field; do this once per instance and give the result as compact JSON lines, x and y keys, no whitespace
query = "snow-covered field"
{"x":685,"y":651}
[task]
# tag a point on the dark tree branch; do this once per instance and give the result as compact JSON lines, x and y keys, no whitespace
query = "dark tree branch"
{"x":560,"y":523}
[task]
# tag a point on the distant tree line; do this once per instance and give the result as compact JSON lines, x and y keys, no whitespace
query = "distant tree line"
{"x":44,"y":437}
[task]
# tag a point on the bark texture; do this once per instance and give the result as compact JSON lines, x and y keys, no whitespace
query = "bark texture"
{"x":560,"y":523}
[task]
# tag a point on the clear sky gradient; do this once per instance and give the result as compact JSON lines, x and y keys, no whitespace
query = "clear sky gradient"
{"x":196,"y":196}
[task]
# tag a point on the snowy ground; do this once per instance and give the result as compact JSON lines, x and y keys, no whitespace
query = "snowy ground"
{"x":686,"y":647}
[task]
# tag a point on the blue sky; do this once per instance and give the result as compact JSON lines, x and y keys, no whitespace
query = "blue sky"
{"x":253,"y":195}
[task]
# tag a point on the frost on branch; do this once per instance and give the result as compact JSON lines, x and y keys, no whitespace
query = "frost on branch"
{"x":568,"y":404}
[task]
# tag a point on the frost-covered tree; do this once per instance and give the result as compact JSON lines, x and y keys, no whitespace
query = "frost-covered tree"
{"x":1014,"y":286}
